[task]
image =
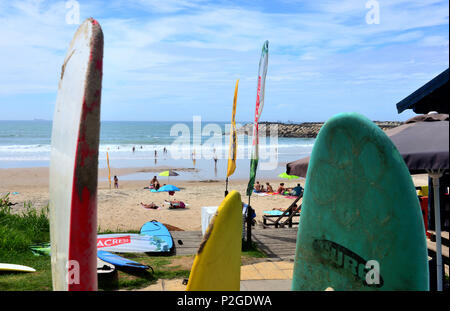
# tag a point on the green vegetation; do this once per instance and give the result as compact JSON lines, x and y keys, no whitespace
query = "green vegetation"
{"x":162,"y":267}
{"x":251,"y":252}
{"x":17,"y":233}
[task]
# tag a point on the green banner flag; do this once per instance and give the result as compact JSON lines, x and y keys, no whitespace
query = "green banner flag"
{"x":258,"y":110}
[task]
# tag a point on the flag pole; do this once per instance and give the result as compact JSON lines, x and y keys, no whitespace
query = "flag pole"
{"x":262,"y":71}
{"x":226,"y":187}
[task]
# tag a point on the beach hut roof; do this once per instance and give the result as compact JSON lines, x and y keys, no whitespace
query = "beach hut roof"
{"x":432,"y":96}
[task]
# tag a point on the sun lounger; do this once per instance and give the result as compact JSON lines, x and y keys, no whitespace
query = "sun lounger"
{"x":285,"y":218}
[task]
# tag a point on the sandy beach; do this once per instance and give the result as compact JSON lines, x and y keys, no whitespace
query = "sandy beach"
{"x":120,"y":209}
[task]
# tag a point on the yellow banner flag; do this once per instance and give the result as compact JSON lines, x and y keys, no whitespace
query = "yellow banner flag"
{"x":233,"y":138}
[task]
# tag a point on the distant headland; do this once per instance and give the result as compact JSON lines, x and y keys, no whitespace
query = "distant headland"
{"x":301,"y":130}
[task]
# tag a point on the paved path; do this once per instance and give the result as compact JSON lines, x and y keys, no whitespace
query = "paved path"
{"x":262,"y":276}
{"x":275,"y":273}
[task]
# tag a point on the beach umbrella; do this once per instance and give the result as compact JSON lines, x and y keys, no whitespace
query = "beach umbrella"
{"x":168,"y":188}
{"x":298,"y":167}
{"x":284,"y":175}
{"x":168,"y":173}
{"x":423,"y":142}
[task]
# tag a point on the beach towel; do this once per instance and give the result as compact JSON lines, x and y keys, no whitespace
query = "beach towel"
{"x":273,"y":213}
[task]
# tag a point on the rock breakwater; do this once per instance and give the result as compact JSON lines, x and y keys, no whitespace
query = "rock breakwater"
{"x":299,"y":130}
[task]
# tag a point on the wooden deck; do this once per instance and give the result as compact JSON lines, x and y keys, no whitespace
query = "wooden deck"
{"x":275,"y":243}
{"x":190,"y":241}
{"x":278,"y":244}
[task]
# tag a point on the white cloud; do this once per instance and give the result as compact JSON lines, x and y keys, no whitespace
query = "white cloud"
{"x":190,"y":51}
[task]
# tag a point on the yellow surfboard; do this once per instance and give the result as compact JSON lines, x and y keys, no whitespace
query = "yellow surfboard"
{"x":217,"y":265}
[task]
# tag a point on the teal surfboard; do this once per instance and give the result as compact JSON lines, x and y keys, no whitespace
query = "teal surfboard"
{"x":361,"y":226}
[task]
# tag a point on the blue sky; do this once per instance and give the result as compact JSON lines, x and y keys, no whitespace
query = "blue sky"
{"x":172,"y":59}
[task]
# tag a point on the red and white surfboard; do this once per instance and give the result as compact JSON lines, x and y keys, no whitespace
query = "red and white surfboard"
{"x":74,"y":163}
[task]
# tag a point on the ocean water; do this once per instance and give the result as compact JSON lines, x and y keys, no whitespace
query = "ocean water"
{"x":28,"y":144}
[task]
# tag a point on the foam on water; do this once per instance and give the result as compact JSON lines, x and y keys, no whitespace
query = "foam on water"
{"x":27,"y":144}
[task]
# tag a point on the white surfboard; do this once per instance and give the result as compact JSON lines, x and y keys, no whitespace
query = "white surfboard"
{"x":15,"y":268}
{"x":74,"y":163}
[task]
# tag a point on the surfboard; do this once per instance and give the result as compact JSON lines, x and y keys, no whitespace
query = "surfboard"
{"x":42,"y":249}
{"x":119,"y":261}
{"x":104,"y":267}
{"x":158,"y":231}
{"x":15,"y":268}
{"x":130,"y":243}
{"x":217,"y":263}
{"x":361,"y":226}
{"x":74,"y":163}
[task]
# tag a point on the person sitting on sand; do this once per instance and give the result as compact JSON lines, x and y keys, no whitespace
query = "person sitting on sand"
{"x":269,"y":188}
{"x":153,"y":182}
{"x":257,"y":187}
{"x":296,"y":191}
{"x":281,"y":188}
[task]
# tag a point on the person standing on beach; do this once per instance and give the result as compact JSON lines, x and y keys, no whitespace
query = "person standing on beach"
{"x":116,"y":182}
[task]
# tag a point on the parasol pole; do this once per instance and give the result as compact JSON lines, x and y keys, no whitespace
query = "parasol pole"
{"x":437,"y":222}
{"x":109,"y":170}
